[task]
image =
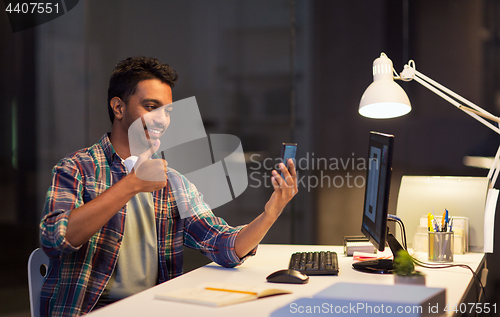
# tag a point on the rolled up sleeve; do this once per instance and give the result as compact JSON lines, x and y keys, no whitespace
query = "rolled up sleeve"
{"x":227,"y":243}
{"x":214,"y":238}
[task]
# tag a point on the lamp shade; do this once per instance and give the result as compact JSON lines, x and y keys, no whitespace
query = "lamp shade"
{"x":383,"y":98}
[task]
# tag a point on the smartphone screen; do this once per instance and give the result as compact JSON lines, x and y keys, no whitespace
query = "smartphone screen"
{"x":288,"y":151}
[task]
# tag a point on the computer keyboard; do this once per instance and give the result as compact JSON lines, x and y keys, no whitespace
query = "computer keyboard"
{"x":315,"y":263}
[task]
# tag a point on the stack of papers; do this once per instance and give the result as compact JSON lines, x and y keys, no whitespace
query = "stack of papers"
{"x":359,"y":246}
{"x":363,"y":256}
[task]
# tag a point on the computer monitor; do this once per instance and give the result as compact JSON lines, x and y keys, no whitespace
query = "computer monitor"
{"x":375,"y":211}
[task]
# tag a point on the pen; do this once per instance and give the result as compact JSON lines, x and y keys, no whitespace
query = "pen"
{"x":436,"y":226}
{"x":451,"y":225}
{"x":443,"y":222}
{"x":430,"y":217}
{"x":429,"y":222}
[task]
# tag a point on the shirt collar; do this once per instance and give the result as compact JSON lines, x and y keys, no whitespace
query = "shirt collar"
{"x":109,"y":150}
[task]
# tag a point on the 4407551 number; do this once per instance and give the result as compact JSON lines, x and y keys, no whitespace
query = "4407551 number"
{"x":472,"y":308}
{"x":33,"y":7}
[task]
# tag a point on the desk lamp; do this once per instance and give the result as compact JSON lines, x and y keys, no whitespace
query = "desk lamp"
{"x":384,"y":99}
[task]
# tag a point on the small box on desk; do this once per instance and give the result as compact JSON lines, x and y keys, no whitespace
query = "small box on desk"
{"x":350,"y":299}
{"x":357,"y":244}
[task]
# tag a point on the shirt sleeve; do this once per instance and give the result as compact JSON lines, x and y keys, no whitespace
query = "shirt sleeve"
{"x":211,"y":234}
{"x":64,"y":195}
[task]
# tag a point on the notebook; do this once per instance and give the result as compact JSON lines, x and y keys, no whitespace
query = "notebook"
{"x":220,"y":294}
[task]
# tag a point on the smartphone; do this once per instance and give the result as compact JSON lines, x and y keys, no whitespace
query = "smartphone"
{"x":288,"y":151}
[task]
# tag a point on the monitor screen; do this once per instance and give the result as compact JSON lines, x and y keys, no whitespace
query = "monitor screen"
{"x":378,"y":182}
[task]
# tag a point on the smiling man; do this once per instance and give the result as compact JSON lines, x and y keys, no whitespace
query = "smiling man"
{"x":110,"y":233}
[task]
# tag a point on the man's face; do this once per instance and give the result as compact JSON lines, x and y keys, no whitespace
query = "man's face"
{"x":150,"y":106}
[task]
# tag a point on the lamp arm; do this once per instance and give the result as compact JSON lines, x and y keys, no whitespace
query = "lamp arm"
{"x":410,"y":73}
{"x":495,"y":168}
{"x":453,"y":94}
{"x":484,"y":115}
{"x":458,"y":105}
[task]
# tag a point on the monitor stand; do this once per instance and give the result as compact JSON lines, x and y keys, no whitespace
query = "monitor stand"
{"x":381,"y":266}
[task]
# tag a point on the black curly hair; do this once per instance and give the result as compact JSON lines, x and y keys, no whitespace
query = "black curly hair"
{"x":129,"y":72}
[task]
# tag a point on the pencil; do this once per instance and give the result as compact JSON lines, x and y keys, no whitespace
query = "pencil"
{"x":230,"y":290}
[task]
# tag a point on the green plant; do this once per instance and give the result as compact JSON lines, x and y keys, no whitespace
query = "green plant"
{"x":404,"y":264}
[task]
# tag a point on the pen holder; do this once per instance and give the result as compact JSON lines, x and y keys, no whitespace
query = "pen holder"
{"x":441,"y":246}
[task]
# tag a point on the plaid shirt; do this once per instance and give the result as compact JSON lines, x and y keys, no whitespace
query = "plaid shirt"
{"x":78,"y":275}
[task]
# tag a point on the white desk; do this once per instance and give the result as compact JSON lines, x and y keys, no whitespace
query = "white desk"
{"x":270,"y":258}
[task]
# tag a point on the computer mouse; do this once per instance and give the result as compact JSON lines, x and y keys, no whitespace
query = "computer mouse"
{"x":288,"y":276}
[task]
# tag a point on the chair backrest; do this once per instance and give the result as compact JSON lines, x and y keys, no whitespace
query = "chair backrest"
{"x":38,"y":264}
